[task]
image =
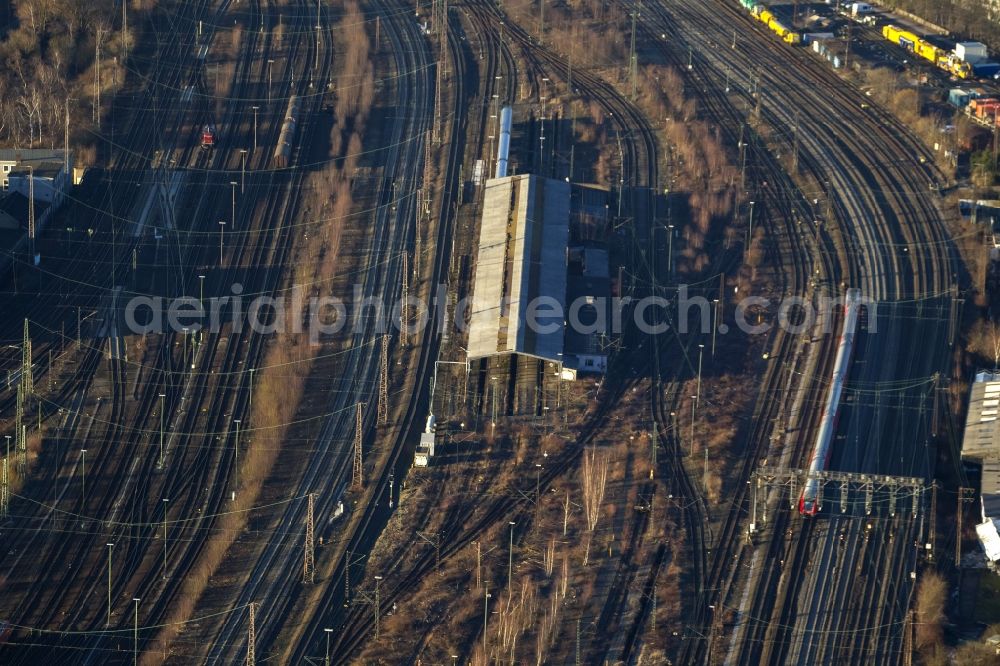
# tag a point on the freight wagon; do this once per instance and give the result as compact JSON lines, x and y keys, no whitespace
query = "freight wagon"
{"x":920,"y":47}
{"x":903,"y":38}
{"x":787,"y":35}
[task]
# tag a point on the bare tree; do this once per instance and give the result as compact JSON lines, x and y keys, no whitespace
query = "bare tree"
{"x":595,"y":477}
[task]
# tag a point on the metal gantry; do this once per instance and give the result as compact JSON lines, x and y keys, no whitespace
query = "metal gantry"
{"x":252,"y":636}
{"x":358,"y":444}
{"x":874,"y":488}
{"x":309,"y":554}
{"x":383,"y":382}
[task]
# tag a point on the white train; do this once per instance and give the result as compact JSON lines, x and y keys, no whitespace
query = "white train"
{"x":809,"y":503}
{"x":283,"y":152}
{"x":503,"y":149}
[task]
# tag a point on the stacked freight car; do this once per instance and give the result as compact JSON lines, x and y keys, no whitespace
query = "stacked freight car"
{"x":283,"y":152}
{"x":765,"y":16}
{"x":984,"y":110}
{"x":977,"y":106}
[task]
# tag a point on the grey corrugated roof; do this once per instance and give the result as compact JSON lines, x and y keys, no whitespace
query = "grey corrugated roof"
{"x":31,"y":155}
{"x":981,"y":440}
{"x":521,"y":258}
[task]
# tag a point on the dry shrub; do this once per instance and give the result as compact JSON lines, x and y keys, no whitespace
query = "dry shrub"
{"x":984,"y":340}
{"x":970,"y":653}
{"x":33,"y":446}
{"x":235,"y":40}
{"x":931,"y":596}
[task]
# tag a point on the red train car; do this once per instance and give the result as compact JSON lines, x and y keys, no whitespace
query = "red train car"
{"x":208,"y":136}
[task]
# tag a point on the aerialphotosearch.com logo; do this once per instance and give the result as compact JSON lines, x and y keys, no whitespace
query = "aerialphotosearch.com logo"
{"x":323,"y":316}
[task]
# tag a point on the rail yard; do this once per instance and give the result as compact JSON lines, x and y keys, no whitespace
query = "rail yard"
{"x":378,"y":332}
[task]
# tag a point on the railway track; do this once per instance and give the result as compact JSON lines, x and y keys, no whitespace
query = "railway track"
{"x":264,"y":252}
{"x":279,"y":566}
{"x":639,"y":168}
{"x":868,"y":194}
{"x":116,"y":428}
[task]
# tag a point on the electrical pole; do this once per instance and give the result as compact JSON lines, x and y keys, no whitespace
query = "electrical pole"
{"x":309,"y":562}
{"x":252,"y":636}
{"x":31,"y":211}
{"x":358,"y":453}
{"x":378,"y":583}
{"x":66,"y":143}
{"x":795,"y":144}
{"x":135,"y":634}
{"x":693,"y":418}
{"x":383,"y":382}
{"x":632,"y":59}
{"x":83,"y":471}
{"x":436,"y":127}
{"x":347,"y":577}
{"x":510,"y":559}
{"x":933,"y":521}
{"x":958,"y":533}
{"x":97,"y":78}
{"x":162,"y":396}
{"x":232,"y":213}
{"x":701,"y":350}
{"x":255,"y":110}
{"x":404,"y":310}
{"x":165,"y":503}
{"x":26,"y":387}
{"x":4,"y":492}
{"x":486,"y":614}
{"x":704,"y":479}
{"x":577,"y":658}
{"x":715,"y":325}
{"x":110,"y":546}
{"x":541,"y":21}
{"x":236,"y":456}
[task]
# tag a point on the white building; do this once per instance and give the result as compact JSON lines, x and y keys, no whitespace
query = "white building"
{"x":981,"y":446}
{"x":52,"y":183}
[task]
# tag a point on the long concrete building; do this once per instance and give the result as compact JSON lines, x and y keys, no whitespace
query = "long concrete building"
{"x":981,"y":446}
{"x":521,"y":264}
{"x":537,"y":255}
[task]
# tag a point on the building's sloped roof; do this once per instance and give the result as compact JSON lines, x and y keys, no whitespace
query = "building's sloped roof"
{"x":521,"y":264}
{"x":982,"y":427}
{"x":31,"y":155}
